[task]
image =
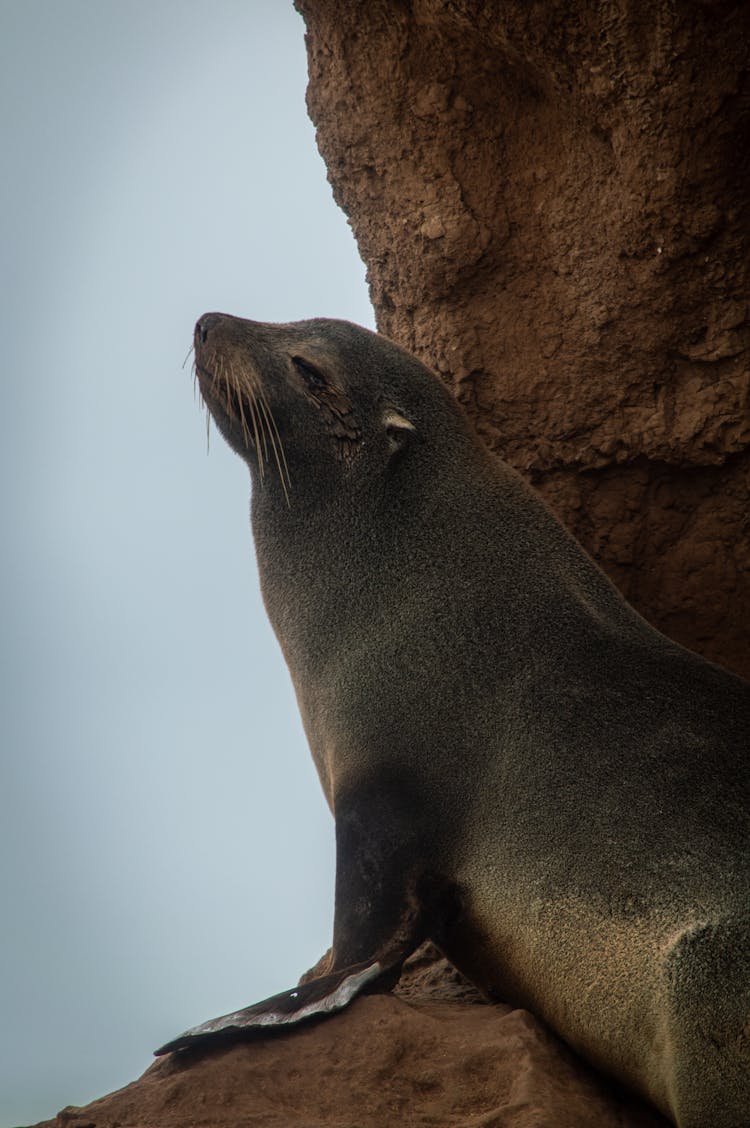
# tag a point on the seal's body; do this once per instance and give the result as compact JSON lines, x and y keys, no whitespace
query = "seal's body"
{"x":520,"y":767}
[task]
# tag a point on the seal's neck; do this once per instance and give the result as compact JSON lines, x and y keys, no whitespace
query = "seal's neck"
{"x":476,"y":547}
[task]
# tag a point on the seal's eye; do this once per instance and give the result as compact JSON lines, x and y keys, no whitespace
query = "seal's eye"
{"x":312,"y":377}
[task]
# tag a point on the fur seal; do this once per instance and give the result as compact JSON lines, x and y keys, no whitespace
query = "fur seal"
{"x":520,"y":768}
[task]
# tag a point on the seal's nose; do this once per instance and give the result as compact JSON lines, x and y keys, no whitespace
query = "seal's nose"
{"x":204,"y":325}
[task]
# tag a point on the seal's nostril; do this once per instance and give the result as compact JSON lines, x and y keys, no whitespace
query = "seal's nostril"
{"x":205,"y":324}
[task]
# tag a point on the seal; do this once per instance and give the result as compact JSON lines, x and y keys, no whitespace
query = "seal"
{"x":521,"y":769}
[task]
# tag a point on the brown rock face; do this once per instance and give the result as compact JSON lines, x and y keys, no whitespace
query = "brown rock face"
{"x":384,"y":1062}
{"x":432,"y":1053}
{"x":552,"y":203}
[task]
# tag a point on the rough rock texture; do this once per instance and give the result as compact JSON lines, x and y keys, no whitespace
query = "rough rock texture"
{"x":384,"y":1062}
{"x":433,"y":1053}
{"x":552,"y":203}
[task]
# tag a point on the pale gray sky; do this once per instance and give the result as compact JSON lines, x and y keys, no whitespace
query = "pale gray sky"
{"x":165,"y":851}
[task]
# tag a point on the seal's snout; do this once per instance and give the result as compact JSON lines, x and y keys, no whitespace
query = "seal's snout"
{"x":204,"y":325}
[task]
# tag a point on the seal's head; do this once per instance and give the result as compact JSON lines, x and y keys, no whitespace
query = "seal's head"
{"x":320,"y":399}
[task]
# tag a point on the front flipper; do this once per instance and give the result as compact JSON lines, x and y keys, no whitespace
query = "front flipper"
{"x":319,"y":997}
{"x":388,"y":901}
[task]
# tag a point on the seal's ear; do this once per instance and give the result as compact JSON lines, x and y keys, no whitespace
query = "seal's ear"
{"x":399,"y":430}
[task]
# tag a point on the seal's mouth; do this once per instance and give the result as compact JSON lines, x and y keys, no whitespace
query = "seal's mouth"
{"x":241,"y":411}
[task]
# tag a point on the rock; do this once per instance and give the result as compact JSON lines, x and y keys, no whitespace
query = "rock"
{"x":383,"y":1062}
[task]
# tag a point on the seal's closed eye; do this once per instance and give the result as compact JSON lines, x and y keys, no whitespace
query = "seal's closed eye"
{"x":312,"y":375}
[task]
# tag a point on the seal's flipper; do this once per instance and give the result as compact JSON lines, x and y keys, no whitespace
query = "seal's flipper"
{"x":315,"y":999}
{"x":383,"y":914}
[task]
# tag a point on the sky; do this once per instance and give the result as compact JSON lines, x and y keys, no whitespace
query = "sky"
{"x":166,"y":854}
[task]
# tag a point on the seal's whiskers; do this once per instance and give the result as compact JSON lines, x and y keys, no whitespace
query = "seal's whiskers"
{"x":281,"y":462}
{"x":261,"y":448}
